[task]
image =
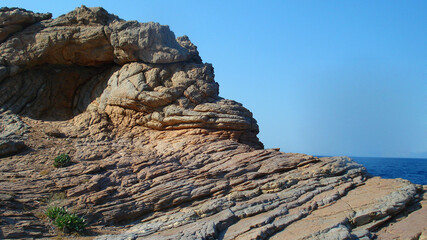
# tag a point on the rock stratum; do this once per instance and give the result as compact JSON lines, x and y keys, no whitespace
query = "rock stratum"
{"x":156,"y":153}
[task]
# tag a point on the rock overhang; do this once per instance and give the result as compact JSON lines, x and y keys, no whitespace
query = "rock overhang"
{"x":138,"y":73}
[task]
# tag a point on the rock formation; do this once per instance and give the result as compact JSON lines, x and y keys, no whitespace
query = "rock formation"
{"x":156,"y":153}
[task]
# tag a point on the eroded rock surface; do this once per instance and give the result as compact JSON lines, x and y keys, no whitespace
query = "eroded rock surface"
{"x":12,"y":134}
{"x":13,"y":20}
{"x":156,"y":152}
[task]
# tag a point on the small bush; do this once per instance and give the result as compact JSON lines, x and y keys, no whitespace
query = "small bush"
{"x":65,"y":221}
{"x":70,"y":222}
{"x":54,"y":212}
{"x":62,"y":160}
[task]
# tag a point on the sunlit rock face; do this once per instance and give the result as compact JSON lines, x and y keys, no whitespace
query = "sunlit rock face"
{"x":176,"y":96}
{"x":137,"y":73}
{"x":156,"y":152}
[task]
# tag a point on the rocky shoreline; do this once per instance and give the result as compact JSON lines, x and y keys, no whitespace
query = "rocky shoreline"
{"x":156,"y":152}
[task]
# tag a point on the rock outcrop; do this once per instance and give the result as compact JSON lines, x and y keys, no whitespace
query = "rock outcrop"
{"x":156,"y":152}
{"x":13,"y":20}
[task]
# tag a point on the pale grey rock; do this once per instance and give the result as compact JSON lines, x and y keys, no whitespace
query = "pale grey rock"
{"x":91,"y":37}
{"x":12,"y":134}
{"x":15,"y":19}
{"x":340,"y":232}
{"x":184,"y":97}
{"x":150,"y":43}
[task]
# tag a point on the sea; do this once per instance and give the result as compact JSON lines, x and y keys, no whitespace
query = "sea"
{"x":412,"y":169}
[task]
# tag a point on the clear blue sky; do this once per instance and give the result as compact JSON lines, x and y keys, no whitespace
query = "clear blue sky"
{"x":321,"y":77}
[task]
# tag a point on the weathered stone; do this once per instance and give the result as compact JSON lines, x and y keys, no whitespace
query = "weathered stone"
{"x":15,"y":19}
{"x":149,"y":42}
{"x":91,"y":37}
{"x":12,"y":134}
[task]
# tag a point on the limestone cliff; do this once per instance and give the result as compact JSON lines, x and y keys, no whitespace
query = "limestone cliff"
{"x":156,"y":152}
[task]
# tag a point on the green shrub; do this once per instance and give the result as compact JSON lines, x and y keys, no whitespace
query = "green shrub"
{"x":62,"y":160}
{"x":65,"y":221}
{"x":70,"y":222}
{"x":54,"y":212}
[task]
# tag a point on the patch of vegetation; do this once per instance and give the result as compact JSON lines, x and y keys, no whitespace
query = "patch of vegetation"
{"x":54,"y":212}
{"x":58,"y":196}
{"x":65,"y":221}
{"x":62,"y":160}
{"x":70,"y":222}
{"x":44,"y":172}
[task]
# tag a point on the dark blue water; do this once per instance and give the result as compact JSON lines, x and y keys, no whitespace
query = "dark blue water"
{"x":412,"y":169}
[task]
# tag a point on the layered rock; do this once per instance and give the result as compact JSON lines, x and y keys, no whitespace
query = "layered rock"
{"x":12,"y":134}
{"x":137,"y":73}
{"x":91,"y":37}
{"x":13,"y":20}
{"x":157,"y":153}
